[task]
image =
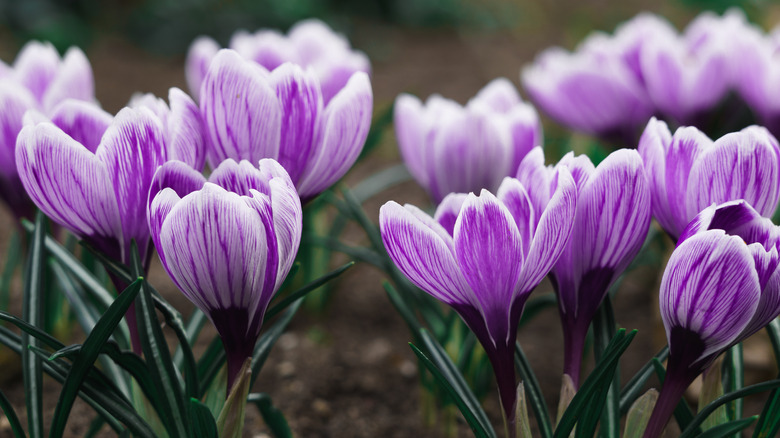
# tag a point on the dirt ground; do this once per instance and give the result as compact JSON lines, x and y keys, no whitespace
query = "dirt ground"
{"x":348,"y":371}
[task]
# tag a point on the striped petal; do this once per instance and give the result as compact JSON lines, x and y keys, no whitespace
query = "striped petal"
{"x":199,"y":57}
{"x":84,"y":121}
{"x":409,"y":122}
{"x":537,"y":179}
{"x":655,"y":139}
{"x":513,"y":195}
{"x":74,"y":80}
{"x":177,"y":176}
{"x":687,"y":146}
{"x":239,"y":177}
{"x":14,"y":102}
{"x":448,"y":210}
{"x":185,"y":132}
{"x":36,"y":66}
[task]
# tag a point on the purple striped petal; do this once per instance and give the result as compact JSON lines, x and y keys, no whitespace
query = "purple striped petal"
{"x":160,"y":204}
{"x":423,"y":251}
{"x":199,"y":56}
{"x":340,"y":138}
{"x":537,"y":179}
{"x":74,"y":80}
{"x":580,"y":167}
{"x":14,"y":102}
{"x":448,"y":210}
{"x":409,"y":121}
{"x":301,"y":103}
{"x":239,"y":177}
{"x":512,"y":194}
{"x":131,"y":150}
{"x":81,"y":201}
{"x":552,"y":234}
{"x":240,"y":110}
{"x":36,"y":66}
{"x":526,"y":131}
{"x":287,"y":215}
{"x":84,"y":121}
{"x":741,"y":165}
{"x":489,"y":251}
{"x":185,"y":132}
{"x":709,"y":288}
{"x":768,"y":269}
{"x":736,"y":218}
{"x":500,"y":95}
{"x":655,"y":139}
{"x":177,"y":176}
{"x":687,"y":146}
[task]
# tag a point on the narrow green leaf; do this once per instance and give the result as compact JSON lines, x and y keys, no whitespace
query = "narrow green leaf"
{"x":273,"y":417}
{"x":94,"y":427}
{"x":365,"y":255}
{"x":155,"y":349}
{"x":712,"y":388}
{"x":10,"y":415}
{"x":269,"y":338}
{"x":769,"y":422}
{"x":203,"y":423}
{"x":773,"y":330}
{"x":403,"y":309}
{"x":633,"y":388}
{"x":192,"y":330}
{"x":535,"y":396}
{"x":476,"y":425}
{"x":692,"y":429}
{"x":380,"y":181}
{"x":604,"y":329}
{"x":639,"y":414}
{"x":33,"y":331}
{"x":210,"y":363}
{"x":522,"y":423}
{"x":291,"y":298}
{"x":32,"y":309}
{"x":734,"y":379}
{"x":174,"y":321}
{"x":231,"y":420}
{"x":450,"y":372}
{"x":12,"y":259}
{"x":727,"y":429}
{"x":88,"y":354}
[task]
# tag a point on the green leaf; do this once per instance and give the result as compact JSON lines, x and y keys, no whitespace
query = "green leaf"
{"x":480,"y":430}
{"x":522,"y":423}
{"x":603,"y":331}
{"x":734,"y":379}
{"x":769,"y":422}
{"x":210,"y":363}
{"x":95,"y":426}
{"x":174,"y":321}
{"x":10,"y":415}
{"x":12,"y":259}
{"x":535,"y":396}
{"x":203,"y":424}
{"x":88,"y":354}
{"x":32,"y":309}
{"x":155,"y":349}
{"x":712,"y":388}
{"x":593,"y":390}
{"x":291,"y":298}
{"x":231,"y":420}
{"x":633,"y":388}
{"x":727,"y":429}
{"x":403,"y":309}
{"x":450,"y":372}
{"x":381,"y":181}
{"x":692,"y":429}
{"x":192,"y":330}
{"x":773,"y":330}
{"x":639,"y":414}
{"x":269,"y":338}
{"x":273,"y":417}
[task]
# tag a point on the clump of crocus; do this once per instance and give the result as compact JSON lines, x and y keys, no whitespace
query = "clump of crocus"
{"x":483,"y":255}
{"x":228,"y":243}
{"x":688,"y":172}
{"x":310,"y":44}
{"x":610,"y":224}
{"x":39,"y":79}
{"x":450,"y":148}
{"x":252,"y":114}
{"x":721,"y":285}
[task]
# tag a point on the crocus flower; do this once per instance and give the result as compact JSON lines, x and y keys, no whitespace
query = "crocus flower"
{"x":483,"y":255}
{"x":688,"y":172}
{"x":182,"y":123}
{"x":721,"y":285}
{"x":228,"y":243}
{"x":252,"y":114}
{"x":757,"y":77}
{"x":449,"y":148}
{"x":310,"y":44}
{"x":38,"y":80}
{"x":610,"y":224}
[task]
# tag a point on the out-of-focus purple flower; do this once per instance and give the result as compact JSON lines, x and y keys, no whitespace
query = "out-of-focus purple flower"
{"x":757,"y":77}
{"x":688,"y":172}
{"x":251,"y":114}
{"x":310,"y":44}
{"x":449,"y":148}
{"x":611,"y":222}
{"x":38,"y":80}
{"x":483,"y":255}
{"x":228,"y":243}
{"x":721,"y":285}
{"x":182,"y":123}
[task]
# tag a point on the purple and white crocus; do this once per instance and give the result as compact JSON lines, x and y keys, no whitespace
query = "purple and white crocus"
{"x":483,"y":255}
{"x":610,"y":225}
{"x":228,"y":243}
{"x":40,"y":80}
{"x":721,"y":285}
{"x":251,"y":113}
{"x":310,"y":44}
{"x":450,"y":148}
{"x":687,"y":171}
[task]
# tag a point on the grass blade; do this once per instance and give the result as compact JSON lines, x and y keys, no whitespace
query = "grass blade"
{"x":724,"y":430}
{"x":10,"y":415}
{"x":533,"y":392}
{"x":269,"y":338}
{"x":32,"y":309}
{"x":203,"y":423}
{"x":273,"y":417}
{"x":604,"y":330}
{"x":291,"y":298}
{"x":633,"y":388}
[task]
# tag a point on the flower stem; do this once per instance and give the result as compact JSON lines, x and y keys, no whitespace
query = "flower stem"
{"x":503,"y":361}
{"x":573,"y":346}
{"x":672,"y":391}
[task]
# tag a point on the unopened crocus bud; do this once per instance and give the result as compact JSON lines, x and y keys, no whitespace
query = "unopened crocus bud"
{"x":450,"y":148}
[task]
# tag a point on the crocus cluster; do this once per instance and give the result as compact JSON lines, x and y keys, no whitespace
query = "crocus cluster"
{"x":310,"y":44}
{"x":37,"y":80}
{"x":721,"y":285}
{"x":611,"y":84}
{"x":483,"y":255}
{"x":449,"y":148}
{"x":610,"y":224}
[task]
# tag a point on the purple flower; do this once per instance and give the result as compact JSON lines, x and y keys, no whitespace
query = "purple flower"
{"x":721,"y":285}
{"x":688,"y":172}
{"x":182,"y":123}
{"x":310,"y":44}
{"x":252,"y":114}
{"x":610,"y":225}
{"x":483,"y":255}
{"x":596,"y":89}
{"x":39,"y":79}
{"x":449,"y":148}
{"x":228,"y":243}
{"x":757,"y":76}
